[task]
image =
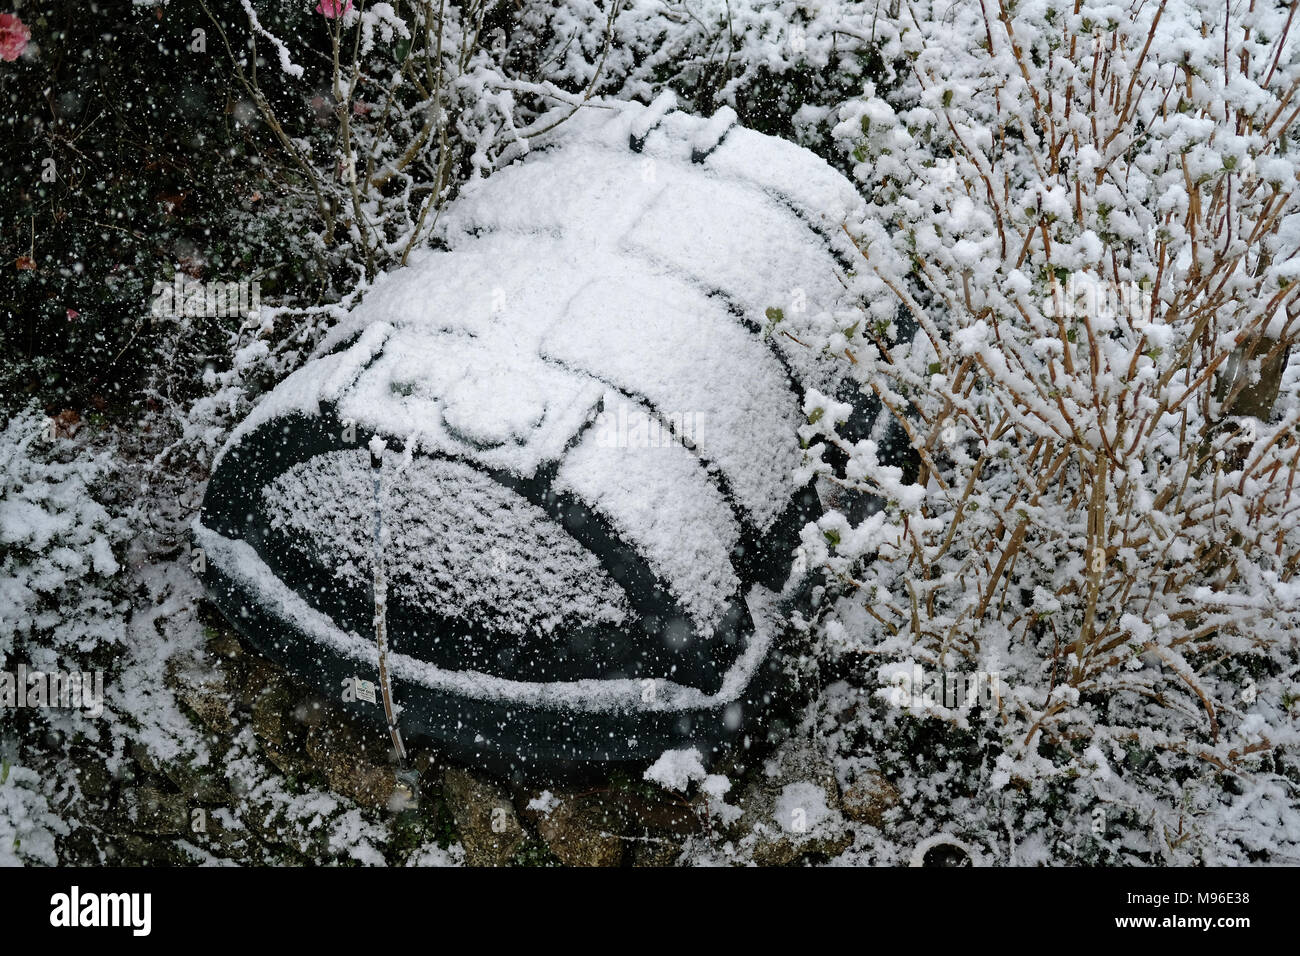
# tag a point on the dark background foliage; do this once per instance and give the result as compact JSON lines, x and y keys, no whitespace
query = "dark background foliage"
{"x":153,"y":172}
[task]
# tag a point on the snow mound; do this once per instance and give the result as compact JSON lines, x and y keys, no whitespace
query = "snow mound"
{"x":598,"y":429}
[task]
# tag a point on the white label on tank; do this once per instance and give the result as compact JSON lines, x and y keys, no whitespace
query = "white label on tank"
{"x":365,"y":689}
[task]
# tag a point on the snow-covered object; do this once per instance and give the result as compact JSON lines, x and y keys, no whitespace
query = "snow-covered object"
{"x":591,"y":397}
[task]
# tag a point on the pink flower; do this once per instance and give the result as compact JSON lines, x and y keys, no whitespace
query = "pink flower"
{"x":333,"y":8}
{"x":14,"y":36}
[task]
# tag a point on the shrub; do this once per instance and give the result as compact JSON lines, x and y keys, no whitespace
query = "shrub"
{"x":57,"y":561}
{"x":1079,"y":266}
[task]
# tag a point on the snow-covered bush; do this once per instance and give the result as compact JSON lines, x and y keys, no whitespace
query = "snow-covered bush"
{"x":782,"y":65}
{"x":57,"y":562}
{"x":1079,"y":268}
{"x":28,"y":827}
{"x":63,"y":607}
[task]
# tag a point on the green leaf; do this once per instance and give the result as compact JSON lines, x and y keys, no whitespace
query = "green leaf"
{"x":832,"y":536}
{"x":774,"y":314}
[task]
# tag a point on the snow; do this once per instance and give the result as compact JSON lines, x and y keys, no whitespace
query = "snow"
{"x":493,"y":407}
{"x":304,"y":390}
{"x":482,"y":395}
{"x":433,"y":855}
{"x":457,"y":544}
{"x":647,"y":119}
{"x":676,"y":769}
{"x":56,"y":543}
{"x":801,"y":807}
{"x":239,"y":560}
{"x":611,"y":303}
{"x":739,"y":239}
{"x":544,"y":802}
{"x":668,"y":509}
{"x":282,"y":51}
{"x":652,"y":336}
{"x":944,"y":839}
{"x":707,"y":138}
{"x":29,"y":827}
